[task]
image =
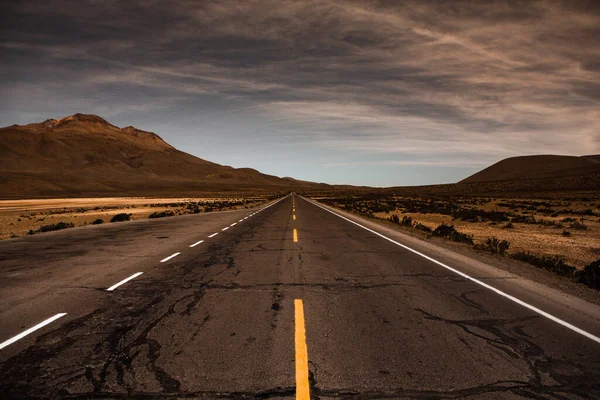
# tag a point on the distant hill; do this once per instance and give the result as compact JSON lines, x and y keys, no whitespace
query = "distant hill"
{"x":84,"y":155}
{"x":543,"y":175}
{"x":528,"y":168}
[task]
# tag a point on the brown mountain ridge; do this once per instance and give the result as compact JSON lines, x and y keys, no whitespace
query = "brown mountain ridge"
{"x":85,"y":156}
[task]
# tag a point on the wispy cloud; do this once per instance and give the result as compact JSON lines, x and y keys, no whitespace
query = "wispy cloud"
{"x":466,"y":83}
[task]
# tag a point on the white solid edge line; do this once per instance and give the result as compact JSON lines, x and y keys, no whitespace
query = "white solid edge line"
{"x":485,"y":285}
{"x":224,"y":229}
{"x":113,"y":287}
{"x":30,"y":330}
{"x":214,"y":234}
{"x":197,"y":243}
{"x":171,"y":256}
{"x":235,"y":223}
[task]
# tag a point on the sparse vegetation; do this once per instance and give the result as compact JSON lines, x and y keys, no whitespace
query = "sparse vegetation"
{"x":590,"y":275}
{"x":551,"y":263}
{"x":121,"y":217}
{"x":407,"y":221}
{"x":53,"y":227}
{"x":495,"y":246}
{"x":578,"y":226}
{"x":423,"y":228}
{"x":449,"y":232}
{"x":162,"y":214}
{"x":521,"y":228}
{"x":98,"y":221}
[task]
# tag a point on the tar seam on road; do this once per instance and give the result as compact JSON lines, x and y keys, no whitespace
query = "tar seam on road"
{"x":485,"y":285}
{"x":171,"y":256}
{"x":30,"y":330}
{"x":116,"y":285}
{"x":302,"y":387}
{"x":213,"y":235}
{"x":295,"y":236}
{"x":197,"y":243}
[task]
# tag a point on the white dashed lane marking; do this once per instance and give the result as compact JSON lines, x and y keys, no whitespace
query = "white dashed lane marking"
{"x":113,"y":287}
{"x":197,"y":243}
{"x":30,"y":330}
{"x":171,"y":256}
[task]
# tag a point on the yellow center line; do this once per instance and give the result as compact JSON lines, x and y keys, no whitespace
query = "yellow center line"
{"x":294,"y":217}
{"x":302,"y":387}
{"x":295,"y":236}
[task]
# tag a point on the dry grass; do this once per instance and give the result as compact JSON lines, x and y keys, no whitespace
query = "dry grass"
{"x":579,"y":248}
{"x":18,"y":217}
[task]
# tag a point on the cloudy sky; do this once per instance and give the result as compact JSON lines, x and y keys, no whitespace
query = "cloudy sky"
{"x":360,"y":92}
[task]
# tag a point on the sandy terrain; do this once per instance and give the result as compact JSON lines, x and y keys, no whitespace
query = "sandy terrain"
{"x":578,"y":249}
{"x":559,"y":235}
{"x":18,"y":217}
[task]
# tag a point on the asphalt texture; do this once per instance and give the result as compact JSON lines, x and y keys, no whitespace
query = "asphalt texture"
{"x":217,"y":320}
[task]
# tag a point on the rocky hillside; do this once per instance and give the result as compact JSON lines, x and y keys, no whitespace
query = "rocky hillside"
{"x":84,"y":155}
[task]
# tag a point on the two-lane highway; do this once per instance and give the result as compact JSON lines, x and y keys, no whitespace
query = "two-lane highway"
{"x":291,"y":300}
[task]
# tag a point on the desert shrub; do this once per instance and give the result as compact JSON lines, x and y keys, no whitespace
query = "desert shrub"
{"x":523,"y":219}
{"x":423,"y":228}
{"x":578,"y":226}
{"x":56,"y":227}
{"x":407,"y":221}
{"x":495,"y":245}
{"x":566,"y":233}
{"x":590,"y":275}
{"x":551,"y":263}
{"x":509,"y":226}
{"x":52,"y":227}
{"x":449,"y":232}
{"x":98,"y":221}
{"x":162,"y":214}
{"x":121,"y":217}
{"x":474,"y":215}
{"x":395,"y":219}
{"x":568,"y":219}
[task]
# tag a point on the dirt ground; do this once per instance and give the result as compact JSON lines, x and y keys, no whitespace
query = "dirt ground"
{"x":579,"y":248}
{"x":19,"y":217}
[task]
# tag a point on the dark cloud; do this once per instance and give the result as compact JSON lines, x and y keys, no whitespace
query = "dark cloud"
{"x":323,"y":74}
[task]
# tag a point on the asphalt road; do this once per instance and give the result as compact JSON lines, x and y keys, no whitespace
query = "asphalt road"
{"x":291,"y":301}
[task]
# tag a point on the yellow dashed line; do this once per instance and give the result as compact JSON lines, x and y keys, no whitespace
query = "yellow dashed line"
{"x":294,"y":217}
{"x":295,"y":236}
{"x":302,"y":388}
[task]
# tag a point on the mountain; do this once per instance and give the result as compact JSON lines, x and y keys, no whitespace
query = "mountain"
{"x":84,"y":155}
{"x":539,"y":167}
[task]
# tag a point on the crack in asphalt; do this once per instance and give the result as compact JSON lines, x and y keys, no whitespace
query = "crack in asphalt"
{"x":112,"y":343}
{"x":324,"y":286}
{"x":508,"y":336}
